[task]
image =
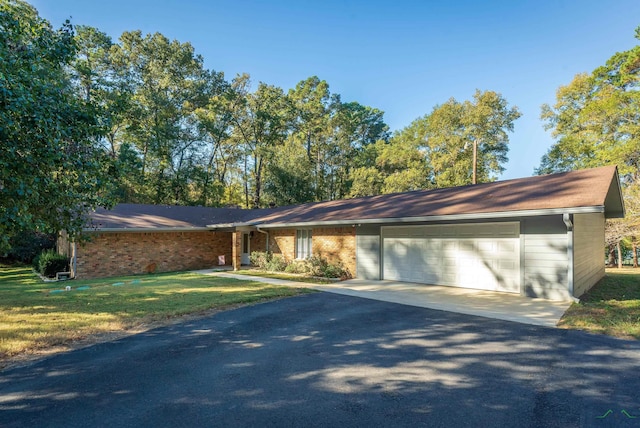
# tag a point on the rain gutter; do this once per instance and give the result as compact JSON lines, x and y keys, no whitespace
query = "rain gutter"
{"x":422,"y":219}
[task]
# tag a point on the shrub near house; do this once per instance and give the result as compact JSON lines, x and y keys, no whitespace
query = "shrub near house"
{"x":313,"y":266}
{"x":48,"y":263}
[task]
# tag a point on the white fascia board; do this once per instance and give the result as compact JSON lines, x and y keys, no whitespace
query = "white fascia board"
{"x":424,"y":219}
{"x":145,"y":229}
{"x":233,"y":225}
{"x":222,"y":225}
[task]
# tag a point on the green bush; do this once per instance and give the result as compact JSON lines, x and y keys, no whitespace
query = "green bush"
{"x":313,"y":266}
{"x":297,"y":266}
{"x":336,"y":271}
{"x":319,"y":266}
{"x":276,"y":264}
{"x":260,"y":258}
{"x":48,"y":263}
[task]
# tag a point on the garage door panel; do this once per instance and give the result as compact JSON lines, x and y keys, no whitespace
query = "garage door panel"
{"x":431,"y":279}
{"x":449,"y":245}
{"x":432,"y":245}
{"x":467,"y":246}
{"x":508,"y":245}
{"x":449,"y":262}
{"x":449,"y":278}
{"x":485,"y":256}
{"x":508,"y":266}
{"x":487,"y":246}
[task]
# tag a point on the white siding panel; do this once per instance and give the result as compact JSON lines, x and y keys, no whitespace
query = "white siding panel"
{"x":588,"y":245}
{"x":368,"y":253}
{"x":545,"y":257}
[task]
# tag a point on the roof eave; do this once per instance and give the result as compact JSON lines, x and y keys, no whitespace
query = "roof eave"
{"x":424,"y":219}
{"x":614,"y":199}
{"x":145,"y":229}
{"x":234,"y":225}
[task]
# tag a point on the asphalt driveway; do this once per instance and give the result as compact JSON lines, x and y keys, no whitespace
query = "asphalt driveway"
{"x":332,"y":360}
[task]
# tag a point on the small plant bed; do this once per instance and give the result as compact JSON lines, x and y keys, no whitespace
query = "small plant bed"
{"x":314,"y":267}
{"x":37,"y":318}
{"x":611,"y":307}
{"x":287,"y":276}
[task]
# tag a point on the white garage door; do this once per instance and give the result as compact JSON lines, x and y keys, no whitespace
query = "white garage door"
{"x":484,"y":256}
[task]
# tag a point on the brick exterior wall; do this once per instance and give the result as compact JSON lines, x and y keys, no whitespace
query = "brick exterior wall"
{"x":114,"y":254}
{"x":337,"y":245}
{"x":258,"y":241}
{"x":283,"y":241}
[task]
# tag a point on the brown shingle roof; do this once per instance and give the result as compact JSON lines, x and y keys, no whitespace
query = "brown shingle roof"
{"x":139,"y":216}
{"x":576,"y":189}
{"x":587,"y":188}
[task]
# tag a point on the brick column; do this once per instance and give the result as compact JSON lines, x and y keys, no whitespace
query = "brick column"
{"x":236,"y":250}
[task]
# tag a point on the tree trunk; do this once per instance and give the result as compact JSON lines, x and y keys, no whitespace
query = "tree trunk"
{"x":612,"y":256}
{"x":618,"y":246}
{"x":258,"y":184}
{"x":246,"y":183}
{"x":634,"y":246}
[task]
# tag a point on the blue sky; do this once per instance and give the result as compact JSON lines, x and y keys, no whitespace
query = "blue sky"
{"x":403,"y":57}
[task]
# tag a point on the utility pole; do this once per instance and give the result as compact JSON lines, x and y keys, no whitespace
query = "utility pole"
{"x":475,"y":161}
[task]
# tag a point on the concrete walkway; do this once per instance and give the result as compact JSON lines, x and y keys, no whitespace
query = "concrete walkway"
{"x":503,"y":306}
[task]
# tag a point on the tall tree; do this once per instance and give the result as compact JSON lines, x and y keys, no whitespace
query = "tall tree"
{"x":221,"y":151}
{"x":51,"y":172}
{"x":454,"y":128}
{"x":289,"y":178}
{"x":353,"y":128}
{"x":404,"y":160}
{"x":334,"y":135}
{"x":436,"y":150}
{"x":261,"y":125}
{"x":312,"y":104}
{"x":169,"y":84}
{"x":596,"y":119}
{"x":107,"y":86}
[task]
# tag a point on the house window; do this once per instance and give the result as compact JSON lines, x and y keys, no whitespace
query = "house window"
{"x":303,"y":243}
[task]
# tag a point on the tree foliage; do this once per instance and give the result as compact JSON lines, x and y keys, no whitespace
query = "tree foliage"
{"x":51,"y":171}
{"x":596,"y":119}
{"x":436,"y":149}
{"x":452,"y":129}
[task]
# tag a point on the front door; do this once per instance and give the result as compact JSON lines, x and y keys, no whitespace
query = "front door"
{"x":245,"y":249}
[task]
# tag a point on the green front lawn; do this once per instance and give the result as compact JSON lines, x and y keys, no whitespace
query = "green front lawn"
{"x":611,"y":307}
{"x":37,"y":316}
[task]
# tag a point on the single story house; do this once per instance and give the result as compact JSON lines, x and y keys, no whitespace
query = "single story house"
{"x":539,"y":236}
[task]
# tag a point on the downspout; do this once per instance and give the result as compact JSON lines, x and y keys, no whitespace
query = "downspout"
{"x":266,"y":233}
{"x":567,"y":219}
